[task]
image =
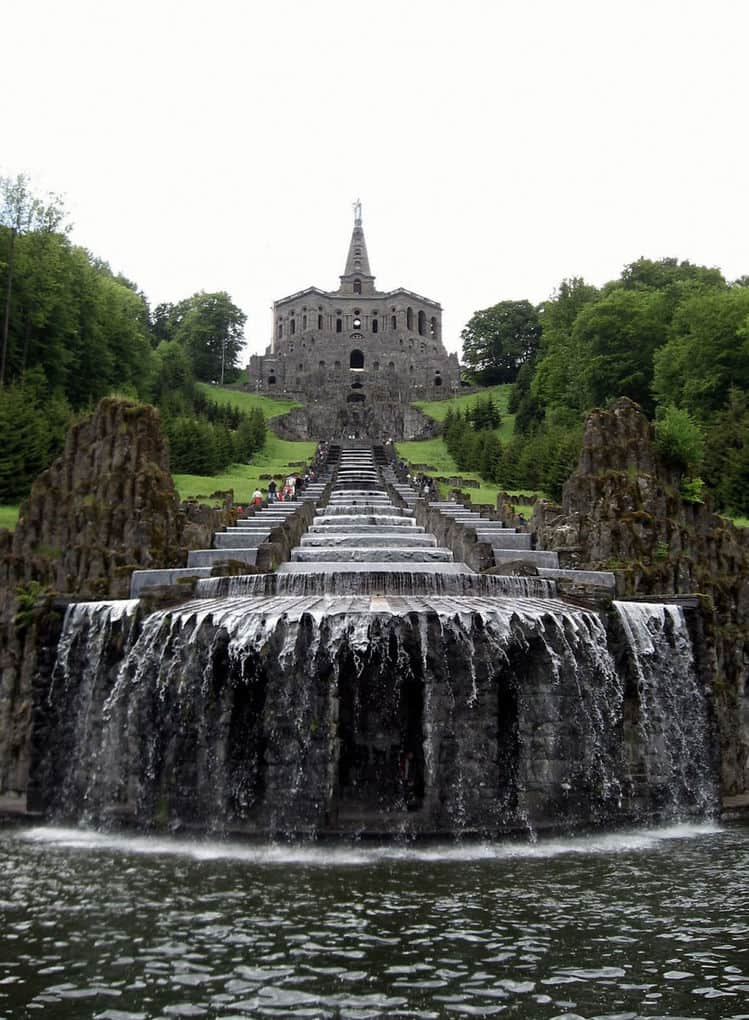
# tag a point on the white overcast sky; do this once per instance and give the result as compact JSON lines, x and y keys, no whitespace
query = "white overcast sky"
{"x":497,"y":147}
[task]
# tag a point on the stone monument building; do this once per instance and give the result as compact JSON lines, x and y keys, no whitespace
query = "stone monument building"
{"x":356,"y":346}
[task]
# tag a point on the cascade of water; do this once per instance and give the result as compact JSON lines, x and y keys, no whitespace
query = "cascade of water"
{"x":383,"y":582}
{"x":672,"y":748}
{"x":407,"y":695}
{"x":93,"y":638}
{"x":281,"y":712}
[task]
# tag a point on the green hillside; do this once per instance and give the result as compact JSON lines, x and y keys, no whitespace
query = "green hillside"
{"x":270,"y":406}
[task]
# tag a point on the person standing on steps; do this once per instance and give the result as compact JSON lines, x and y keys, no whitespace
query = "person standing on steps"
{"x":272,"y":491}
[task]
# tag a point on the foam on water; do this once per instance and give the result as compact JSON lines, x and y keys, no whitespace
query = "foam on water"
{"x":332,"y":856}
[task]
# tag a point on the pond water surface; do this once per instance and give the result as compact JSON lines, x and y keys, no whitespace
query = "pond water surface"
{"x":647,"y":923}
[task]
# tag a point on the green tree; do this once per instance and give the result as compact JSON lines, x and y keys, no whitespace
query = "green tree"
{"x":616,"y":338}
{"x":498,"y":340}
{"x":707,"y":353}
{"x":679,"y":439}
{"x":675,"y":278}
{"x":21,"y":212}
{"x":556,"y":379}
{"x":210,"y":328}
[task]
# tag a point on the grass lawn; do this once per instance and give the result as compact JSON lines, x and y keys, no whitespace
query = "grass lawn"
{"x":740,"y":522}
{"x":270,"y":407}
{"x":8,"y":517}
{"x":278,"y":457}
{"x":434,"y":454}
{"x":437,"y":409}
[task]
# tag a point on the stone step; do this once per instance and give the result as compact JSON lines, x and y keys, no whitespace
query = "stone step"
{"x":142,"y":579}
{"x":383,"y":554}
{"x":374,"y":539}
{"x":359,"y":511}
{"x":373,"y":566}
{"x":209,"y":557}
{"x":597,"y":578}
{"x":538,"y":557}
{"x":508,"y":541}
{"x":402,"y":525}
{"x":239,"y":540}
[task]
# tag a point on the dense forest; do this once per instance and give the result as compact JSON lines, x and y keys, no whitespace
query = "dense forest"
{"x":671,"y":335}
{"x":74,"y":331}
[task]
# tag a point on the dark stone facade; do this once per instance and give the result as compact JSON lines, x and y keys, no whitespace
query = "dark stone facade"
{"x":356,"y":346}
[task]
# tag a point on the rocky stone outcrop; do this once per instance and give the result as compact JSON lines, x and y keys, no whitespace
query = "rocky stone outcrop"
{"x":106,"y":506}
{"x":622,"y":511}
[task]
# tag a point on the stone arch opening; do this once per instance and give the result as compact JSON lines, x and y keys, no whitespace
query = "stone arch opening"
{"x":422,"y":323}
{"x":355,"y":398}
{"x":356,"y":359}
{"x":357,"y":286}
{"x":438,"y":380}
{"x":409,"y":318}
{"x":271,"y":380}
{"x":356,"y":385}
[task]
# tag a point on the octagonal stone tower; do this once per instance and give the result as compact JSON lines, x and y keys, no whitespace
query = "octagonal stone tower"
{"x":356,"y":346}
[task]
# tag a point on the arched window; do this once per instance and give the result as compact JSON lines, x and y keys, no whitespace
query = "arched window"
{"x":292,"y":328}
{"x":357,"y":359}
{"x":376,"y":366}
{"x":339,"y":325}
{"x":280,"y":329}
{"x":321,"y":364}
{"x":438,"y":379}
{"x":304,"y":322}
{"x":393,"y":323}
{"x":391,"y":366}
{"x":433,"y":327}
{"x":422,"y":323}
{"x":337,"y":366}
{"x":271,"y":380}
{"x":375,"y":325}
{"x":319,"y":321}
{"x":357,"y":286}
{"x":409,"y":318}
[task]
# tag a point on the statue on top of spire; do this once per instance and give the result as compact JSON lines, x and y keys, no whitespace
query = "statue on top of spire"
{"x":357,"y":212}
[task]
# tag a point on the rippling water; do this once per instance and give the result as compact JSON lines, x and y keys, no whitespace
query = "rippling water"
{"x":644,"y":924}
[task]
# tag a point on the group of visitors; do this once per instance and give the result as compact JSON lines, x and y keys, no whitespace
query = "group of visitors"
{"x":290,"y":489}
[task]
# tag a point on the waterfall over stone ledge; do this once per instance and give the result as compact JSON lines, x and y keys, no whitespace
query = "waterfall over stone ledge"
{"x":397,"y":696}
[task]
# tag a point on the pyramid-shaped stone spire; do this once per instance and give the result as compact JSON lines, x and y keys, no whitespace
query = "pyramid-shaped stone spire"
{"x":357,"y":278}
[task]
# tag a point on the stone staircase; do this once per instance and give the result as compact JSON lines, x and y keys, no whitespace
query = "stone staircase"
{"x":362,"y":529}
{"x":368,"y":526}
{"x":239,"y":542}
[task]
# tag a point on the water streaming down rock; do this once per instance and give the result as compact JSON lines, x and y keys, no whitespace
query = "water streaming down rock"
{"x":392,"y":695}
{"x":675,"y":751}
